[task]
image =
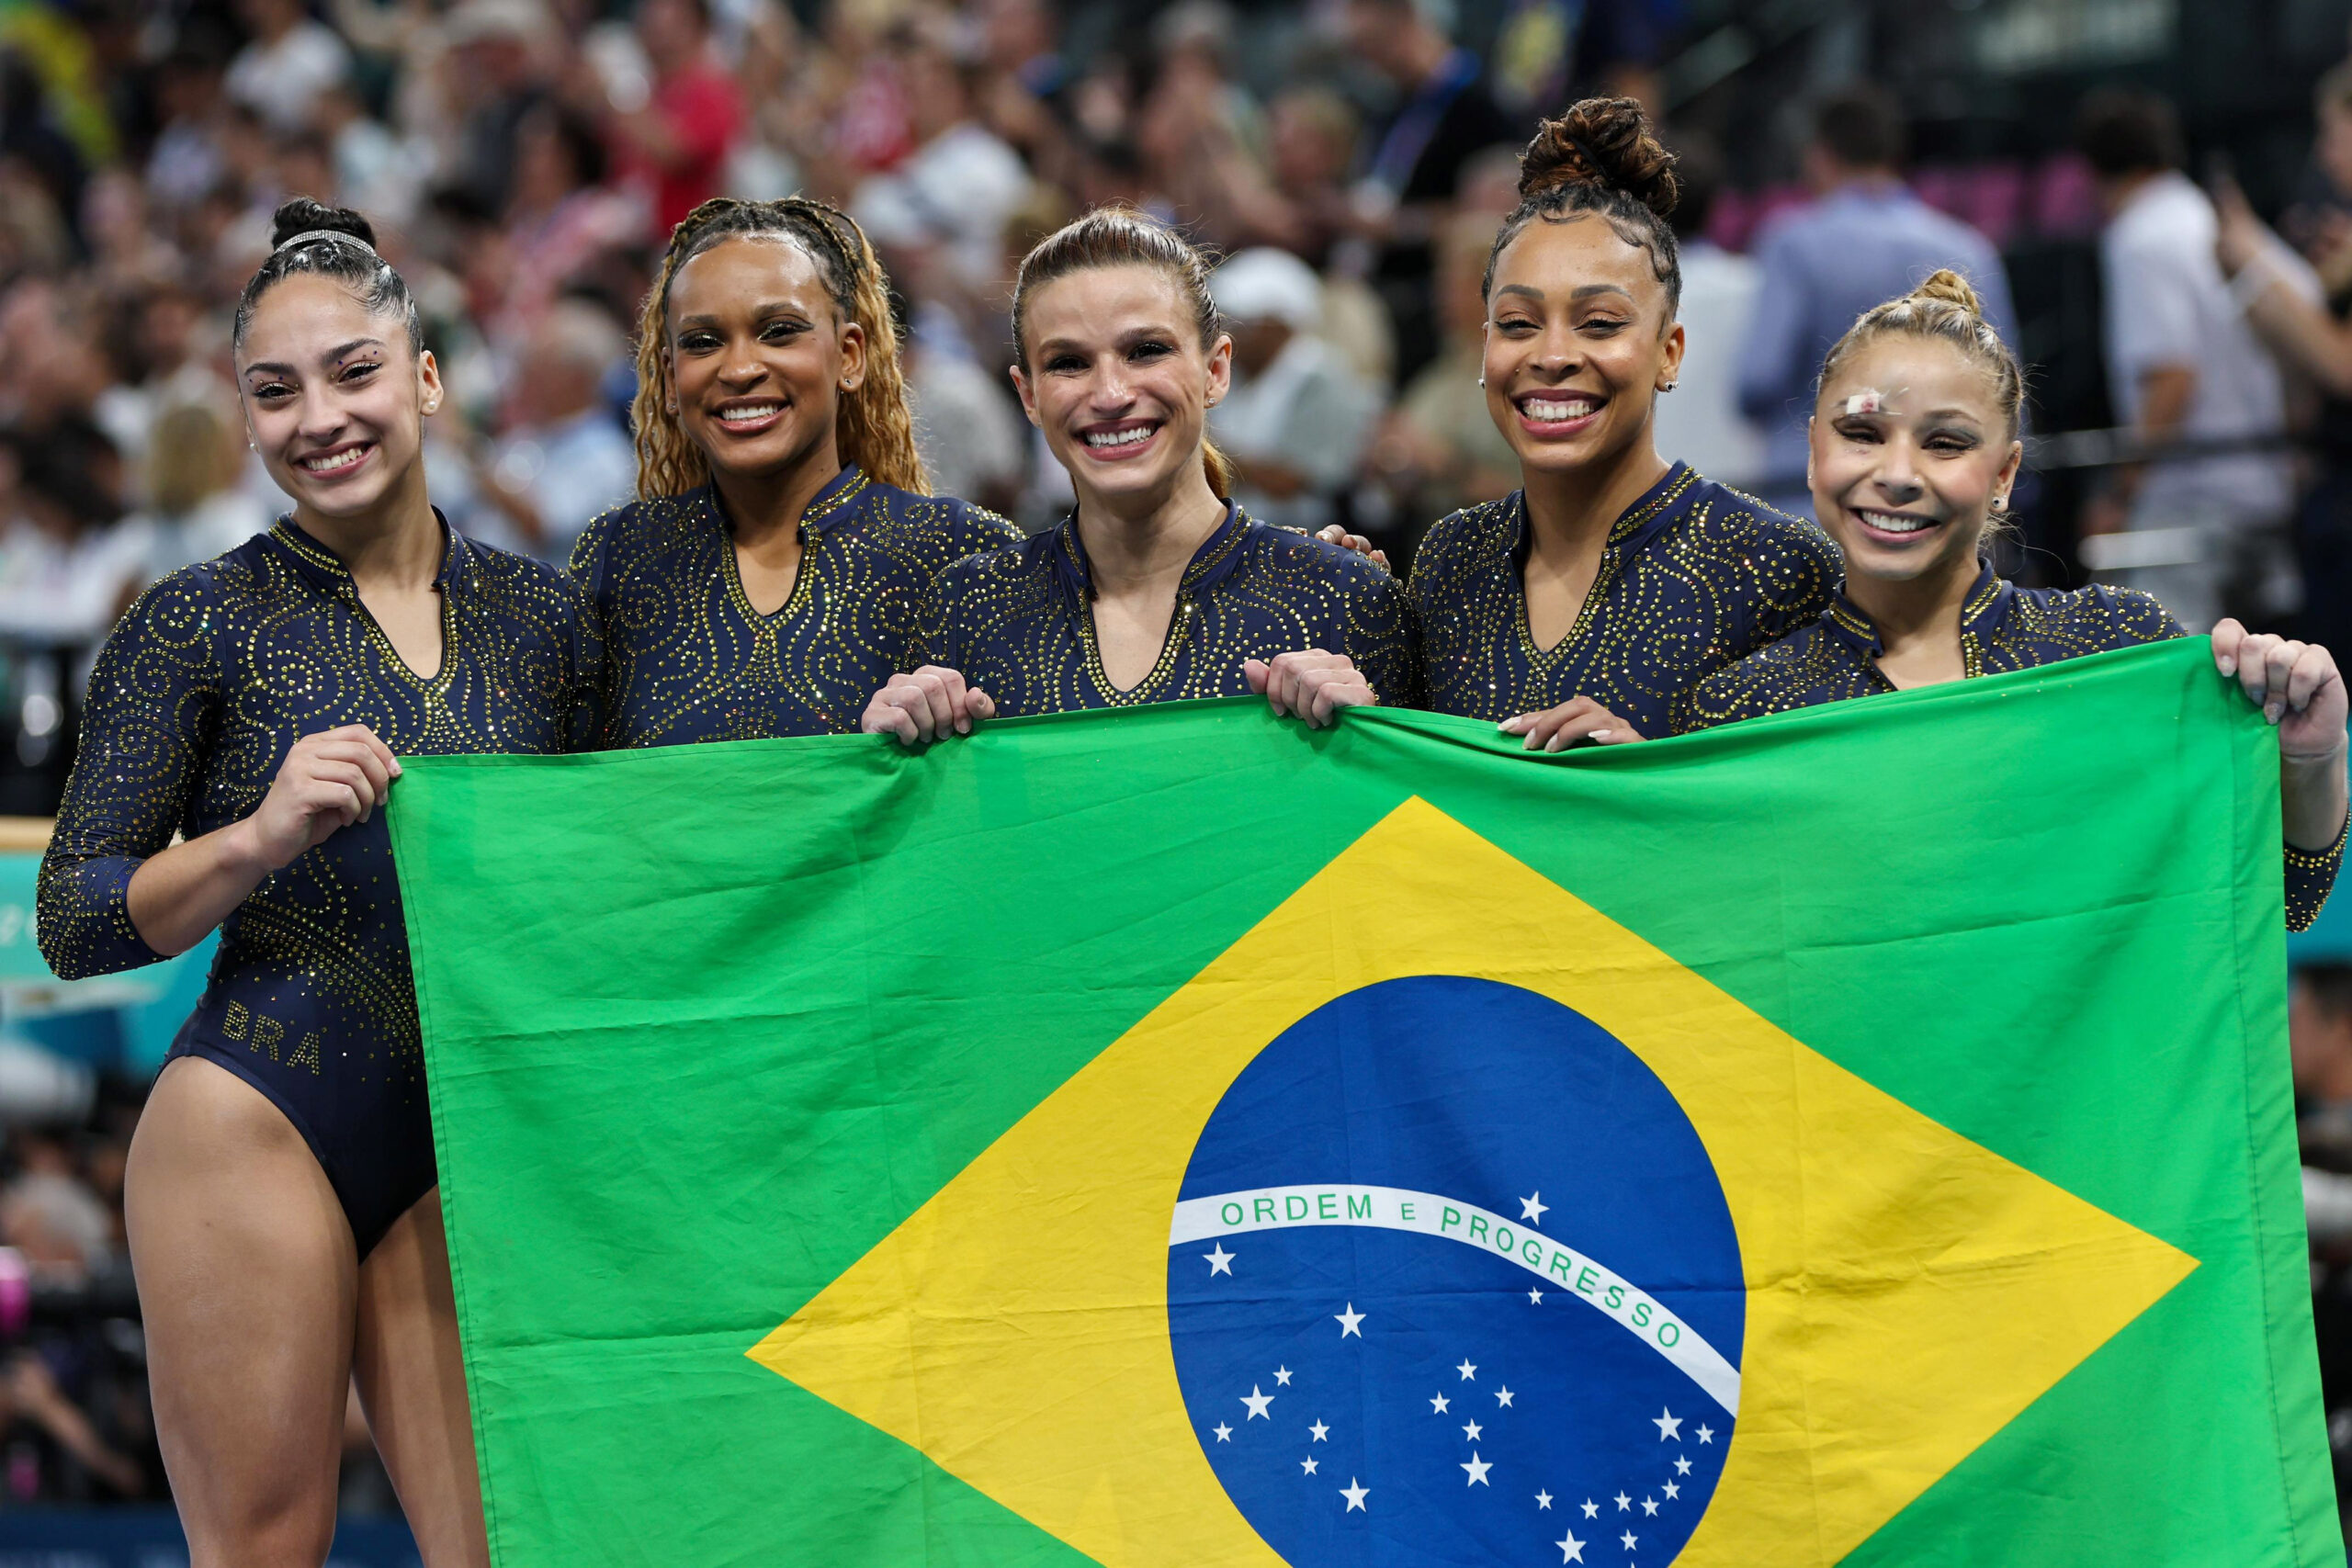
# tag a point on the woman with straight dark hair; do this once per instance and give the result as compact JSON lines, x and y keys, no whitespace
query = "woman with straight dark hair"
{"x":1157,"y":586}
{"x":281,"y":1202}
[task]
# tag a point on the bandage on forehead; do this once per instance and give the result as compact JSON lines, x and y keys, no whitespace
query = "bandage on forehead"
{"x":1870,"y":400}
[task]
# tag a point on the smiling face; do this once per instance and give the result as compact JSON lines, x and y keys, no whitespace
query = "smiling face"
{"x":1578,"y":344}
{"x":1118,"y":381}
{"x":759,"y":357}
{"x":333,"y":397}
{"x":1911,"y":449}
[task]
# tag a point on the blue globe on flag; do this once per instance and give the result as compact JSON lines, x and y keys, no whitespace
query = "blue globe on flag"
{"x":1451,"y":1281}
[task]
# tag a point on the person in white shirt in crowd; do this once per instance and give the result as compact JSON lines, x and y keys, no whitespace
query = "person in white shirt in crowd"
{"x":1299,"y":416}
{"x":1701,"y":423}
{"x":2207,"y":535}
{"x":567,"y":459}
{"x":291,"y":61}
{"x":954,"y":194}
{"x":68,"y":568}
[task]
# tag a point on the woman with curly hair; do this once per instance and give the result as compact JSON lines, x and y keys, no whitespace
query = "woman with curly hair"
{"x":767,"y":578}
{"x":1587,"y":603}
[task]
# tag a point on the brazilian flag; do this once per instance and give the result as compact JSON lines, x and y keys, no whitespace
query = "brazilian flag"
{"x":1175,"y":1138}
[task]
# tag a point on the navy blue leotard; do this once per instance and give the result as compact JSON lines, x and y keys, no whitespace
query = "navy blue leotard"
{"x":198,"y":695}
{"x":674,"y":652}
{"x":1019,"y":622}
{"x":1693,"y":576}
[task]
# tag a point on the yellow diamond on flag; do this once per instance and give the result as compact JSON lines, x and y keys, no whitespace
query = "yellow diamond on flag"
{"x":1908,"y":1291}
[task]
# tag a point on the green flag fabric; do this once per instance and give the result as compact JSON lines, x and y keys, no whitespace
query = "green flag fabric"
{"x":1173,"y":1138}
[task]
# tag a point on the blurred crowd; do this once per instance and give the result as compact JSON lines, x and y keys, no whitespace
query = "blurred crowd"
{"x":523,"y":160}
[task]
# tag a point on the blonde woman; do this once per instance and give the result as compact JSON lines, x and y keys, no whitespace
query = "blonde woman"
{"x":766,"y":581}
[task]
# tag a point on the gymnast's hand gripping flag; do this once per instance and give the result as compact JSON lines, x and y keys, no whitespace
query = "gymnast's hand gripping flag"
{"x":1175,"y":1138}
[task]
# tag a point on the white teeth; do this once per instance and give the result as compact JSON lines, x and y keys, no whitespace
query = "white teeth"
{"x":1894,"y":523}
{"x":1099,"y":439}
{"x":748,"y":413}
{"x":340,"y":460}
{"x":1546,"y":410}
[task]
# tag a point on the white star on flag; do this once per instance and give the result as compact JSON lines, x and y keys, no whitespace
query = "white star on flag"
{"x":1355,"y":1495}
{"x":1347,"y":1320}
{"x":1220,"y":1261}
{"x":1591,"y":1509}
{"x":1706,"y":1434}
{"x":1649,"y":1508}
{"x":1629,"y":1541}
{"x":1470,"y":1433}
{"x":1543,"y":1501}
{"x":1477,"y":1469}
{"x":1672,"y":1491}
{"x":1281,"y":1377}
{"x":1535,"y":1298}
{"x":1466,"y":1369}
{"x":1667,"y":1423}
{"x":1318,"y":1431}
{"x":1224,"y":1433}
{"x":1257,"y":1402}
{"x":1624,"y":1502}
{"x":1307,"y":1465}
{"x":1532,"y":1210}
{"x":1502,"y":1396}
{"x":1439,"y":1403}
{"x":1571,"y":1549}
{"x":1681,"y":1465}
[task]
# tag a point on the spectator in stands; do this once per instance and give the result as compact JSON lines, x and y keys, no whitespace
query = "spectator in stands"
{"x":196,"y":508}
{"x":1297,"y":417}
{"x":1701,"y":423}
{"x":1447,"y":118}
{"x":673,"y":147}
{"x":1864,"y":238}
{"x":941,"y":214}
{"x":567,"y":459}
{"x":2206,"y":534}
{"x":1439,"y":448}
{"x":289,"y":63}
{"x":2311,"y":335}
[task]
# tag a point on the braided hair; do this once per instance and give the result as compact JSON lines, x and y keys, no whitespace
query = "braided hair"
{"x":1600,"y":156}
{"x":876,"y":429}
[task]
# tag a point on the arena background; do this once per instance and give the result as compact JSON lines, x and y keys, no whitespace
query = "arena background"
{"x":523,"y":158}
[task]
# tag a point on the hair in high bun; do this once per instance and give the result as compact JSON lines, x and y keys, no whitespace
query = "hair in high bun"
{"x":1602,"y":157}
{"x":336,"y":243}
{"x":1943,"y":307}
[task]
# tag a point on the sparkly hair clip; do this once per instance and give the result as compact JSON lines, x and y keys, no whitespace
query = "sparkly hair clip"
{"x":307,"y":235}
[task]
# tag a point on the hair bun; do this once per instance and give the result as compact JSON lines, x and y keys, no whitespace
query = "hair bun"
{"x":1950,"y":287}
{"x":1600,"y":141}
{"x":301,"y":215}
